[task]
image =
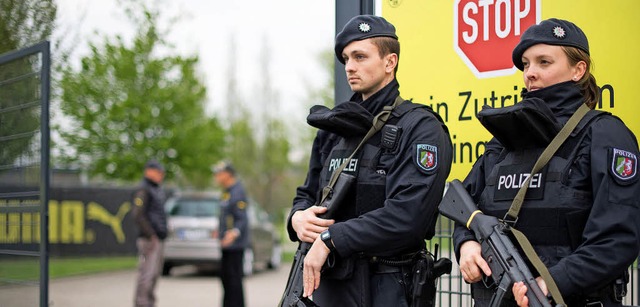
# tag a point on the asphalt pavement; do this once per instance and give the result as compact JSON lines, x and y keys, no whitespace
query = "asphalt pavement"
{"x":184,"y":288}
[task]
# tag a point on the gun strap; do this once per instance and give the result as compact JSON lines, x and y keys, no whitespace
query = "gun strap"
{"x":511,"y":217}
{"x":378,"y":122}
{"x":537,"y":263}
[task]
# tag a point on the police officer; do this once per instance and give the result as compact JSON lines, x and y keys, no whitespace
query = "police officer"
{"x":151,"y":221}
{"x":581,"y":213}
{"x":400,"y":176}
{"x":234,"y":233}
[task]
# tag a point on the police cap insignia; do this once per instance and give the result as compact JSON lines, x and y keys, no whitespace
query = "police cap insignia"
{"x":427,"y":156}
{"x":624,"y":164}
{"x":559,"y":32}
{"x":364,"y":27}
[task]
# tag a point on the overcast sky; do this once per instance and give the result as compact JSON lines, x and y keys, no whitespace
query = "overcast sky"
{"x":296,"y":32}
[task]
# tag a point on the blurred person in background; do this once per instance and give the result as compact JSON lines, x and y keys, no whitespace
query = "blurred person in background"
{"x":151,"y":221}
{"x":234,"y":233}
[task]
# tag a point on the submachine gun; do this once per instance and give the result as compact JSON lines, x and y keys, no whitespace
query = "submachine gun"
{"x":292,"y":296}
{"x":507,"y":266}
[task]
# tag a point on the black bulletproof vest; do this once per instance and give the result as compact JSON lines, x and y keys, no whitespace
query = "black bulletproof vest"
{"x":553,"y":213}
{"x":370,"y":166}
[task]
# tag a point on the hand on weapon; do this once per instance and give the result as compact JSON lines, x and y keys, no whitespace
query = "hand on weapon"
{"x":472,"y":265}
{"x":308,"y":225}
{"x":520,"y":291}
{"x":506,"y":264}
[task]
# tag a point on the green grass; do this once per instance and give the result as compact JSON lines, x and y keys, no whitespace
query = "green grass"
{"x":24,"y":270}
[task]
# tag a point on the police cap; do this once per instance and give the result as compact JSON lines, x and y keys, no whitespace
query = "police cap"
{"x":154,"y":164}
{"x":551,"y":32}
{"x":362,"y":27}
{"x":223,"y":166}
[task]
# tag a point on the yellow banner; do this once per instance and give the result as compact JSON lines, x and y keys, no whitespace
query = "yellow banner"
{"x":442,"y":44}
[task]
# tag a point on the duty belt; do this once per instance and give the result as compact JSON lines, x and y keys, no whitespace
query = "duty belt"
{"x":382,"y":265}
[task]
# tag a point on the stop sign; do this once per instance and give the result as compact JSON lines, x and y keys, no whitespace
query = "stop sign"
{"x":486,"y":31}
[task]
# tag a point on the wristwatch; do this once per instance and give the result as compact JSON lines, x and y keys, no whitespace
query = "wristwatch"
{"x":325,"y":236}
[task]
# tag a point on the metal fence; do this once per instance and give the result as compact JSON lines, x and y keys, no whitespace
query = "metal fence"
{"x":453,"y":291}
{"x":24,"y":170}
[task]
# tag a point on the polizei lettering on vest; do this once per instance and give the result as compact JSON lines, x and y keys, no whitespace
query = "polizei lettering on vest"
{"x":350,"y":167}
{"x":515,"y":181}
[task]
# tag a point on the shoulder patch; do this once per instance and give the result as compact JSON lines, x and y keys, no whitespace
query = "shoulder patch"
{"x":624,"y":164}
{"x":139,"y":197}
{"x":241,"y":205}
{"x":426,"y":157}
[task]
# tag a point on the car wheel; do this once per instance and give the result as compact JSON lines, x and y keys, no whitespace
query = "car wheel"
{"x":247,"y":264}
{"x":276,"y":256}
{"x":166,"y":269}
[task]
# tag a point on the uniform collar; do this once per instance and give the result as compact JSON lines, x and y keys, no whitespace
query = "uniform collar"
{"x":384,"y":97}
{"x":563,"y":98}
{"x":151,"y":182}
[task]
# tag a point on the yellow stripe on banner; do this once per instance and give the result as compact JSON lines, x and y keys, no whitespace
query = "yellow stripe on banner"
{"x":471,"y":218}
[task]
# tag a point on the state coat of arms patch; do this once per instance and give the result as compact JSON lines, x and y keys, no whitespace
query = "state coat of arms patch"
{"x":624,"y":164}
{"x":427,"y":156}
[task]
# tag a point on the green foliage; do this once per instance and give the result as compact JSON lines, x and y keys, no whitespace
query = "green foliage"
{"x":129,"y":104}
{"x":25,"y":22}
{"x":22,"y":23}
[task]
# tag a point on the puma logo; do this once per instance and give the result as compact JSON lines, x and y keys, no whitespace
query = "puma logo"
{"x":98,"y":213}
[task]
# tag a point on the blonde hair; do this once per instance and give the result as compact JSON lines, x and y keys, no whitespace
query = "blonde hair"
{"x":588,"y":86}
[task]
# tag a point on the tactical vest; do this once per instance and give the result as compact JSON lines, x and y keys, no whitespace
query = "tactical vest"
{"x":370,"y":165}
{"x":553,"y":214}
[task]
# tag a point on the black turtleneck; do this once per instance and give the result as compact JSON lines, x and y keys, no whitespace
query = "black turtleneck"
{"x":384,"y":97}
{"x":562,"y":98}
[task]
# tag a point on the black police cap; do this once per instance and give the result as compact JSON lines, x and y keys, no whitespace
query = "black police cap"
{"x":552,"y":31}
{"x":362,"y":27}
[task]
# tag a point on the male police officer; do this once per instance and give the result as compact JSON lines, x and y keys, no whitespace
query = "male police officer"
{"x":400,"y":176}
{"x":234,"y":233}
{"x":151,"y":220}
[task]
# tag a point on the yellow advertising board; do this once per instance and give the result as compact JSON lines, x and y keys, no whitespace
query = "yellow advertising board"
{"x":453,"y":58}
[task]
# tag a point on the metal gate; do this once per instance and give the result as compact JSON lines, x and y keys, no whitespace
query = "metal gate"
{"x":24,"y":170}
{"x":452,"y":289}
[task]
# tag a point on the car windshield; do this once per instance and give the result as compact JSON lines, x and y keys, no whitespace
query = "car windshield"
{"x":194,"y":207}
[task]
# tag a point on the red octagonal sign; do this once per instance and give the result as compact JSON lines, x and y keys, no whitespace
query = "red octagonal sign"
{"x":486,"y":31}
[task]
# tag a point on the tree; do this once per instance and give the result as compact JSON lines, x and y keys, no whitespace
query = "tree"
{"x":22,"y":23}
{"x":129,"y":104}
{"x":25,"y":22}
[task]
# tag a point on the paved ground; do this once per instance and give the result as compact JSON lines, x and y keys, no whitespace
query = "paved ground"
{"x":185,"y":288}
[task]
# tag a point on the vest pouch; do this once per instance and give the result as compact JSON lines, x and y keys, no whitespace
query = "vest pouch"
{"x":528,"y":124}
{"x":339,"y":268}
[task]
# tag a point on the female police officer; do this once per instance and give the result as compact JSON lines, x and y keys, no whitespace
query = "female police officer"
{"x":582,"y":214}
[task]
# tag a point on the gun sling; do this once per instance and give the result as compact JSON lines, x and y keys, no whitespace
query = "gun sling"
{"x":511,"y":217}
{"x":378,"y":122}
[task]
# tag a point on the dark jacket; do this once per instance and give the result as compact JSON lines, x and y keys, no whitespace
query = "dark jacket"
{"x":148,"y":209}
{"x":409,"y":210}
{"x":607,"y":236}
{"x":233,"y":214}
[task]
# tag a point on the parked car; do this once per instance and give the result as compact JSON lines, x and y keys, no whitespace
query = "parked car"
{"x":193,"y":220}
